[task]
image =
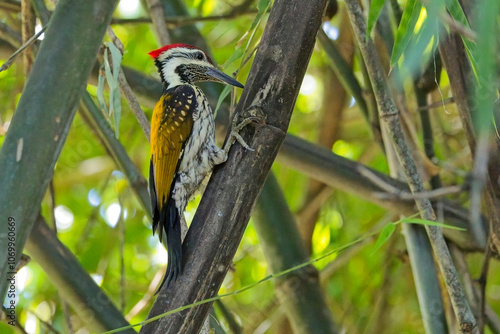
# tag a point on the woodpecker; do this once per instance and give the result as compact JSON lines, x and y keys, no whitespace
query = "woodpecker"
{"x":183,"y":148}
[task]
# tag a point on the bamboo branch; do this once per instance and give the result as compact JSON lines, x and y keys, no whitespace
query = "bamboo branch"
{"x":226,"y":206}
{"x":390,"y":116}
{"x":178,"y":21}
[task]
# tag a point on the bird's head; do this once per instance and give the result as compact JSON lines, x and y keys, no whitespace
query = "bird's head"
{"x":186,"y":64}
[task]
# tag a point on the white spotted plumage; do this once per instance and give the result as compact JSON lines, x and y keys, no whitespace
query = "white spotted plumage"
{"x":200,"y":154}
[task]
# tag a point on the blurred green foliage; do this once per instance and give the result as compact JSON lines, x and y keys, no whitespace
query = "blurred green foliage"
{"x":92,"y":198}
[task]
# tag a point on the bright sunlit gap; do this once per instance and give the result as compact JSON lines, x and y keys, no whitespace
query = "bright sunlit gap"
{"x":308,"y":85}
{"x":30,"y":324}
{"x":352,"y":102}
{"x":93,"y":197}
{"x":38,"y":27}
{"x":22,"y":278}
{"x":112,"y":214}
{"x":64,"y":217}
{"x":331,"y":31}
{"x":129,"y":8}
{"x":97,"y":278}
{"x":161,"y":255}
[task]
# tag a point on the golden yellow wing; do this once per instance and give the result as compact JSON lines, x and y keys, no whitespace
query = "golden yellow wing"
{"x":171,"y":126}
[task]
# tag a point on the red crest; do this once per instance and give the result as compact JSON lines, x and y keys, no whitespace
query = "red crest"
{"x":158,"y":52}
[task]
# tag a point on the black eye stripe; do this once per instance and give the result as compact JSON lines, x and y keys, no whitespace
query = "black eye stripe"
{"x":189,"y":55}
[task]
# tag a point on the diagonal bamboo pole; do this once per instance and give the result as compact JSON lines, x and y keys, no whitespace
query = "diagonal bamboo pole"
{"x":44,"y":114}
{"x":225,"y":209}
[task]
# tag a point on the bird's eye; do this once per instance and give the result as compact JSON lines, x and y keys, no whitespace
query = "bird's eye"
{"x":199,"y":56}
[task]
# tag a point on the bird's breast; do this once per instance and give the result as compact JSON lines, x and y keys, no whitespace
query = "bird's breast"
{"x":197,"y":153}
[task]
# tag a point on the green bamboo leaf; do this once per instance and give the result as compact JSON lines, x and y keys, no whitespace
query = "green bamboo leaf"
{"x":431,"y":223}
{"x":262,"y":7}
{"x":107,"y":69}
{"x":116,"y":57}
{"x":405,"y":29}
{"x":109,"y":80}
{"x":111,"y":71}
{"x":117,"y":109}
{"x":225,"y":92}
{"x":100,"y":93}
{"x":457,"y":12}
{"x":373,"y":15}
{"x":384,"y":235}
{"x":237,"y":54}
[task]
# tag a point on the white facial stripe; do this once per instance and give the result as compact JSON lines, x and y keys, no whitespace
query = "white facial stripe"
{"x":180,"y":51}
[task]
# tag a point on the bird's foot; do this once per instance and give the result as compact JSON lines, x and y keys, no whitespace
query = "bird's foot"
{"x":252,"y":115}
{"x":235,"y":132}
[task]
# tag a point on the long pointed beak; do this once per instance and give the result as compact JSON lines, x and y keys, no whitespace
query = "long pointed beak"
{"x":223,"y":77}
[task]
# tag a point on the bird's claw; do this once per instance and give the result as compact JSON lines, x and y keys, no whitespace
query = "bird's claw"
{"x":235,"y":135}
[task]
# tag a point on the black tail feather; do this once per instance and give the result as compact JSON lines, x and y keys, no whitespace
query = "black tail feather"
{"x":170,"y":220}
{"x":154,"y":200}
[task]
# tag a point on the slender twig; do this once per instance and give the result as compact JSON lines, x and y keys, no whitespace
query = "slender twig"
{"x":11,"y":59}
{"x":134,"y":104}
{"x":145,"y":300}
{"x":437,"y":104}
{"x":247,"y":59}
{"x":127,"y":91}
{"x":395,"y":192}
{"x":116,"y":41}
{"x":388,"y":112}
{"x":431,"y":194}
{"x":158,"y":19}
{"x":176,"y":21}
{"x":473,"y":291}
